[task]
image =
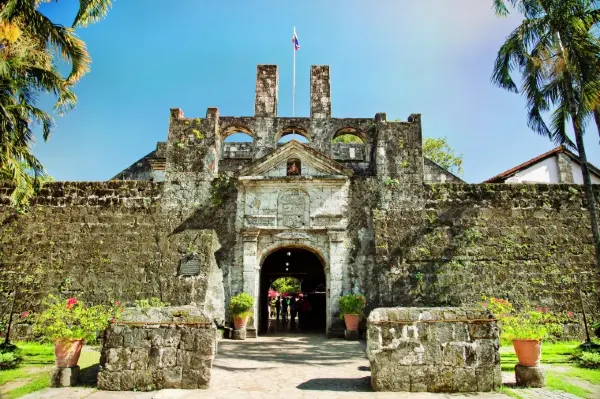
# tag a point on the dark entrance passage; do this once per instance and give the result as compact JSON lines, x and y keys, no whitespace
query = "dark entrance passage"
{"x":307,"y":268}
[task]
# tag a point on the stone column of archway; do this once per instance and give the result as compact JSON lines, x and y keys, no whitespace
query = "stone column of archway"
{"x":251,"y":272}
{"x":337,"y":260}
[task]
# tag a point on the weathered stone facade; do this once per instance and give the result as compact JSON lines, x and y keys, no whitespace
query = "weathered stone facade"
{"x":433,"y":350}
{"x":367,"y":212}
{"x":158,"y":348}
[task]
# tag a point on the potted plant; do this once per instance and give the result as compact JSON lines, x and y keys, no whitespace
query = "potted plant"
{"x":240,"y":308}
{"x":526,"y":329}
{"x":351,"y":310}
{"x":70,"y":323}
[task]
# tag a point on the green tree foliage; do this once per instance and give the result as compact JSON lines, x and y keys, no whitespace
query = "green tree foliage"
{"x":347,"y":139}
{"x":439,"y":151}
{"x":32,"y":45}
{"x":290,"y":285}
{"x":558,"y":57}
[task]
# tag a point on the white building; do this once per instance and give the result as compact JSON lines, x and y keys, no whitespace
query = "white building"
{"x":558,"y":166}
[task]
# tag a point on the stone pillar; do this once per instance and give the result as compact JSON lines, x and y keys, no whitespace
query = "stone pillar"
{"x":337,"y":258}
{"x":565,"y":169}
{"x":320,"y":92}
{"x":267,"y":87}
{"x":251,"y":273}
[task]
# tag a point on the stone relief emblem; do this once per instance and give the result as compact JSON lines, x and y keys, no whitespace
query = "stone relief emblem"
{"x":293,"y":209}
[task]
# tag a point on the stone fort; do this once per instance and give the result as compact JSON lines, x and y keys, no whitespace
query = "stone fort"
{"x":199,"y":220}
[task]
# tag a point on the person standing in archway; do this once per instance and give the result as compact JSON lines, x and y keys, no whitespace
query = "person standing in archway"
{"x":293,"y":308}
{"x":284,"y":309}
{"x":278,"y":306}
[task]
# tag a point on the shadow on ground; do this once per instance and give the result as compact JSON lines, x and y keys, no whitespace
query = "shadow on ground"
{"x":88,"y":377}
{"x":337,"y":384}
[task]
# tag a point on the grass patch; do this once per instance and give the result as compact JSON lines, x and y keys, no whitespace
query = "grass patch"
{"x":39,"y":383}
{"x":36,"y":356}
{"x":513,"y":393}
{"x":589,"y":375}
{"x":557,"y":381}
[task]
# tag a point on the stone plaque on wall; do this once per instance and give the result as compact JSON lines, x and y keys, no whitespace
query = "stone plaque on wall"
{"x":189,"y":267}
{"x":292,"y":209}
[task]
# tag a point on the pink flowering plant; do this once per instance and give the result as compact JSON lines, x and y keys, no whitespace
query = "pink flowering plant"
{"x":352,"y":304}
{"x":72,"y":319}
{"x":527,"y":323}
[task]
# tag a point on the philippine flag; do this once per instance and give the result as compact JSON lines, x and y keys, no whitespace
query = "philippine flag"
{"x":295,"y":40}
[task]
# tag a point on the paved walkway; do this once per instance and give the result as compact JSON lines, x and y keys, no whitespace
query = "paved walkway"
{"x":277,"y":366}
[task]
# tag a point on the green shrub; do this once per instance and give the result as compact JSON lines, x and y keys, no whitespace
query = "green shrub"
{"x":9,"y":360}
{"x":588,"y":359}
{"x":352,"y":304}
{"x":241,"y":305}
{"x":150,"y":303}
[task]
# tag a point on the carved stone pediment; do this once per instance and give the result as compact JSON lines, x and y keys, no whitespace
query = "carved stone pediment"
{"x":312,"y":163}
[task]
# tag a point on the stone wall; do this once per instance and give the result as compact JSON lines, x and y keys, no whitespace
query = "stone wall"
{"x":104,"y":242}
{"x":433,"y":350}
{"x":531,"y":244}
{"x":158,"y":348}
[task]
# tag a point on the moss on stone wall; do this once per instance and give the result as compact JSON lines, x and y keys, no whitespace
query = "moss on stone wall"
{"x":531,"y":244}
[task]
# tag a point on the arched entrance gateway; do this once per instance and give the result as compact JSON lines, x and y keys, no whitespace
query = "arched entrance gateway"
{"x":308,"y":269}
{"x":294,"y":225}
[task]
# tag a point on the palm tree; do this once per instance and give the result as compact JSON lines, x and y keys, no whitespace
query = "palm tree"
{"x":559,"y":59}
{"x":27,"y":69}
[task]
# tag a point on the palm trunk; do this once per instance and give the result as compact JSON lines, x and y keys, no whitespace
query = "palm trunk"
{"x":576,"y":118}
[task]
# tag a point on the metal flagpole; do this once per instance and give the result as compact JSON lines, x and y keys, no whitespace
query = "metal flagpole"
{"x":294,"y":83}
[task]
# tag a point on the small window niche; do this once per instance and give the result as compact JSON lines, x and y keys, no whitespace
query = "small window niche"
{"x":294,"y":167}
{"x":189,"y":266}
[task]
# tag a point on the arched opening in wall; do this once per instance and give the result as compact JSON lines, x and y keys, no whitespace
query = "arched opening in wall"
{"x":238,"y":142}
{"x":293,"y":133}
{"x":348,"y":144}
{"x":302,"y":289}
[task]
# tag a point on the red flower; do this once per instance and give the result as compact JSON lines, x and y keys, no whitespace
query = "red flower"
{"x":118,"y":303}
{"x":112,"y":320}
{"x":71,"y":302}
{"x":24,"y":314}
{"x":570,"y":314}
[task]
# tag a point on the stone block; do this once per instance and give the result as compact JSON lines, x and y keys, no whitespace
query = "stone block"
{"x":486,"y":351}
{"x":136,"y":338}
{"x":488,"y":378}
{"x":531,"y":377}
{"x":442,"y":380}
{"x":464,"y":380}
{"x":418,"y":378}
{"x":351,"y":335}
{"x":109,"y":380}
{"x":239,"y":334}
{"x":195,"y":379}
{"x":483,"y":330}
{"x":64,"y":376}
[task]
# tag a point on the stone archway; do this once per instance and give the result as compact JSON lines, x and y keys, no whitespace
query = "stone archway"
{"x":307,"y":267}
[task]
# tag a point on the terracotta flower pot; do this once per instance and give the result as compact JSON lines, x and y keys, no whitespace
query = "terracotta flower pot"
{"x":529,"y":351}
{"x":351,"y":321}
{"x":67,"y":351}
{"x":240,"y":322}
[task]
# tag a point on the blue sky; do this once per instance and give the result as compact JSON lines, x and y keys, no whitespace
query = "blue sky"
{"x":432,"y":57}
